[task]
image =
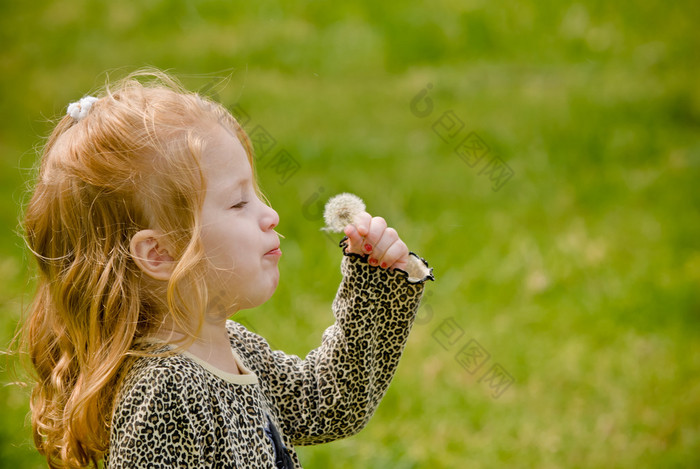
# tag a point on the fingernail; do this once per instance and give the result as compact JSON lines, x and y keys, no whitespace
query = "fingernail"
{"x":373,"y":261}
{"x":383,"y":265}
{"x":368,"y":248}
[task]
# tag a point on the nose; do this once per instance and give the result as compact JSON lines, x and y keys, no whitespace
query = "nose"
{"x":270,"y":218}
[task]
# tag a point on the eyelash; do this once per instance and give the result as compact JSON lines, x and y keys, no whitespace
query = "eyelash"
{"x":240,"y":204}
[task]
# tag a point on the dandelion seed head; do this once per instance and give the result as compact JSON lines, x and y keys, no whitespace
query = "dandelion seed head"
{"x":341,"y":210}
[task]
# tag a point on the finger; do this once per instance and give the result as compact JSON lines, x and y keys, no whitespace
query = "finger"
{"x":389,"y":237}
{"x":362,"y":222}
{"x":403,"y":265}
{"x":376,"y":230}
{"x":396,"y":256}
{"x":354,"y":239}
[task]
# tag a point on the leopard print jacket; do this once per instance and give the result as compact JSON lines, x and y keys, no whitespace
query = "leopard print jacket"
{"x":177,"y":411}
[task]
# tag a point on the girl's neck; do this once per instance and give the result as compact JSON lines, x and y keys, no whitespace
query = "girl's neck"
{"x":211,"y":345}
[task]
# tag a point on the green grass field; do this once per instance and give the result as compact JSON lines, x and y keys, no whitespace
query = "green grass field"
{"x":548,"y":172}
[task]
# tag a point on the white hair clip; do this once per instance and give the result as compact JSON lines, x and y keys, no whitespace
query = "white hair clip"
{"x":79,"y":110}
{"x":341,"y":211}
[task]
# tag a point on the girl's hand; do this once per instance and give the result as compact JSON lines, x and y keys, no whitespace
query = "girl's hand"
{"x":370,"y":235}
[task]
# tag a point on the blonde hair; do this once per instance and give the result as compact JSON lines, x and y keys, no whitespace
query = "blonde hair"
{"x":132,"y":163}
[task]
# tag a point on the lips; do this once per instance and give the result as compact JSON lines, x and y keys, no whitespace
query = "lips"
{"x":274,"y":252}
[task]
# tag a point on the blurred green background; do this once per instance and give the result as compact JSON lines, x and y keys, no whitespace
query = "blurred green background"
{"x":560,"y":210}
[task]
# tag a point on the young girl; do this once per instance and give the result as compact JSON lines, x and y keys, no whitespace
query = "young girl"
{"x":150,"y":232}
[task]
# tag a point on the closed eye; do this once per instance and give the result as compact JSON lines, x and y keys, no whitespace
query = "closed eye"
{"x":240,"y":204}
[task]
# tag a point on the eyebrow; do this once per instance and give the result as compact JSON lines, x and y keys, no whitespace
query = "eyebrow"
{"x":235,"y":184}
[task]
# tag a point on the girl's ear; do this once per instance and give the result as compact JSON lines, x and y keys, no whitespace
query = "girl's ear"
{"x":150,"y":253}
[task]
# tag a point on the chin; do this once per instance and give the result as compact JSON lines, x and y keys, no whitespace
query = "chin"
{"x":275,"y":281}
{"x":273,"y":289}
{"x":263,"y":297}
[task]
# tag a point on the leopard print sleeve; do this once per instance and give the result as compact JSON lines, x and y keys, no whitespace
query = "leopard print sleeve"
{"x":336,"y":389}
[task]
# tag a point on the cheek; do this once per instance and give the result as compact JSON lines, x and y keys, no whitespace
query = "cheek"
{"x":220,"y":246}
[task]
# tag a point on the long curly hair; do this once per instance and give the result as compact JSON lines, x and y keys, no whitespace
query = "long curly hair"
{"x":132,"y":163}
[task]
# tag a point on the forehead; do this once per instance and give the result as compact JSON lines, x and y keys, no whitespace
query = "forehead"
{"x":224,"y":159}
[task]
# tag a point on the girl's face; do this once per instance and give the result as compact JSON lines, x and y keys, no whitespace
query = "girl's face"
{"x":237,"y":229}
